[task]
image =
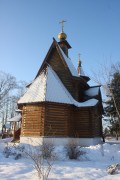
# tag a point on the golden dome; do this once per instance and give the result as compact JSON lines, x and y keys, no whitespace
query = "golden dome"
{"x":62,"y":35}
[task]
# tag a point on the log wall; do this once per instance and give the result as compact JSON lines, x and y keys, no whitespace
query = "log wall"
{"x":57,"y":120}
{"x":88,"y":122}
{"x":83,"y":125}
{"x":33,"y":120}
{"x":60,"y":120}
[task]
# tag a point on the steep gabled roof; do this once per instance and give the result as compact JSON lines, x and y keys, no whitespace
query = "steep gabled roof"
{"x":46,"y":57}
{"x":47,"y":87}
{"x":71,"y":67}
{"x":64,"y":58}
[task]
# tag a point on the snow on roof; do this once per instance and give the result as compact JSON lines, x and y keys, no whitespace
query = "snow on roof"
{"x":71,"y":66}
{"x":15,"y":118}
{"x":55,"y":90}
{"x":61,"y":89}
{"x":90,"y":102}
{"x":93,"y":91}
{"x":36,"y":91}
{"x":69,"y":63}
{"x":48,"y":87}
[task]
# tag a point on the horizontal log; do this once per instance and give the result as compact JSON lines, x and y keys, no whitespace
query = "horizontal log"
{"x":32,"y":122}
{"x":56,"y":121}
{"x":56,"y":118}
{"x":86,"y":130}
{"x":33,"y":115}
{"x":33,"y":112}
{"x":81,"y":125}
{"x":82,"y":119}
{"x":32,"y":134}
{"x":58,"y":105}
{"x":33,"y":118}
{"x":57,"y":113}
{"x":33,"y":109}
{"x":32,"y":130}
{"x":33,"y":125}
{"x":56,"y":110}
{"x":56,"y":128}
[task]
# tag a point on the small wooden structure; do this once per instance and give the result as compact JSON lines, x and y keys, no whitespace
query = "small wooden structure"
{"x":15,"y":126}
{"x":59,"y":103}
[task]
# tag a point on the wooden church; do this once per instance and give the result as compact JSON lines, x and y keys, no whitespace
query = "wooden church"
{"x":59,"y":104}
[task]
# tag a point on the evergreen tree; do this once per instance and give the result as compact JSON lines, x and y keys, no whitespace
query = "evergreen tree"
{"x":112,"y":109}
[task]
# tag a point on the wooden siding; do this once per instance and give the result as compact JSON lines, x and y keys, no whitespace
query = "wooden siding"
{"x":83,"y":125}
{"x":60,"y":120}
{"x":57,"y":120}
{"x":70,"y":121}
{"x":33,"y":120}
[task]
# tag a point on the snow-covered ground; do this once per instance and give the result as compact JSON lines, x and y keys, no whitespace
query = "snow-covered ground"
{"x":90,"y":166}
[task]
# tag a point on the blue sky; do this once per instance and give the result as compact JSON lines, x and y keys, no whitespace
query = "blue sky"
{"x":28,"y":26}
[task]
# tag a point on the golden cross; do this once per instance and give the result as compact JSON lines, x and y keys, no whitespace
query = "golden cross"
{"x":62,"y":24}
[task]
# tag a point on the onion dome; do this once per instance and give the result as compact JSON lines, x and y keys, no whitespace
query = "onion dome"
{"x":62,"y":36}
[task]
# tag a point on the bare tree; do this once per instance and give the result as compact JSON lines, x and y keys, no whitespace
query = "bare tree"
{"x":42,"y":157}
{"x":10,"y":92}
{"x":7,"y":84}
{"x":105,"y":77}
{"x":21,"y":88}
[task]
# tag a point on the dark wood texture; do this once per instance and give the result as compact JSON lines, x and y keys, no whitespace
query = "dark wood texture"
{"x":56,"y":119}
